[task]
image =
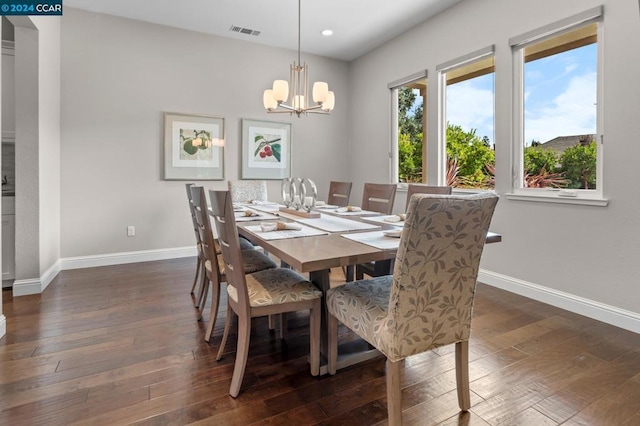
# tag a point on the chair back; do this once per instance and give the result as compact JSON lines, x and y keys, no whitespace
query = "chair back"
{"x":416,"y":188}
{"x":225,"y":224}
{"x":243,"y":191}
{"x":436,"y":268}
{"x":339,"y":193}
{"x":205,"y":232}
{"x":192,"y":211}
{"x":379,"y":197}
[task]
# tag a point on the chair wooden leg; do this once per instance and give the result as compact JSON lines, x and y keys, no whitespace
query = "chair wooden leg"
{"x":359,"y":273}
{"x":205,"y":293}
{"x":314,"y":338}
{"x":195,"y":279}
{"x":272,"y":321}
{"x":462,"y":375}
{"x":283,"y":325}
{"x":348,"y":273}
{"x":242,"y":353}
{"x":394,"y":393}
{"x":203,"y":278}
{"x":225,"y":333}
{"x":215,"y":303}
{"x":332,"y":343}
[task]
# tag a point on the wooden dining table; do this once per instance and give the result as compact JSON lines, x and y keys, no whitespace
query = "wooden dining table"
{"x":316,"y":255}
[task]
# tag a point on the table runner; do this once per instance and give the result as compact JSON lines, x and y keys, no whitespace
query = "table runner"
{"x":336,"y":224}
{"x":306,"y":231}
{"x":375,"y":239}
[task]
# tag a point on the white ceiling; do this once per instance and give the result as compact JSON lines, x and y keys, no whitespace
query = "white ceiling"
{"x":358,"y":25}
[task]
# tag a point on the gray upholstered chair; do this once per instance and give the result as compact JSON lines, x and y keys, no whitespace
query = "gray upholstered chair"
{"x":428,"y":300}
{"x":214,"y":274}
{"x":244,"y":191}
{"x":269,"y":292}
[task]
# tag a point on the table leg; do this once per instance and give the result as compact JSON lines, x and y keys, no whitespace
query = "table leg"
{"x":362,"y":352}
{"x":321,"y":280}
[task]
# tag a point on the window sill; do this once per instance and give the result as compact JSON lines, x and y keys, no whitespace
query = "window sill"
{"x":554,"y":198}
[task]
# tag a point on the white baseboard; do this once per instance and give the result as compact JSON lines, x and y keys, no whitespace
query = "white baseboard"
{"x":36,"y":285}
{"x":126,"y":257}
{"x":579,"y":305}
{"x":3,"y":326}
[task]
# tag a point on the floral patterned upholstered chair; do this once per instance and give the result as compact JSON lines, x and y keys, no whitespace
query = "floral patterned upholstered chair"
{"x":427,"y":302}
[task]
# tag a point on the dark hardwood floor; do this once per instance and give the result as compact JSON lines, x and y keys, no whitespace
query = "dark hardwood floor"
{"x":121,"y":345}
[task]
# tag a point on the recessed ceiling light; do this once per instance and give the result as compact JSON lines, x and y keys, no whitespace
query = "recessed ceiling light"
{"x":327,"y":33}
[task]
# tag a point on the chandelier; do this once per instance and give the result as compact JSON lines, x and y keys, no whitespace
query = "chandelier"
{"x":274,"y":99}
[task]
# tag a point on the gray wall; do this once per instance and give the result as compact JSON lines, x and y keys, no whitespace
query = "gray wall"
{"x":590,"y":252}
{"x":119,"y":76}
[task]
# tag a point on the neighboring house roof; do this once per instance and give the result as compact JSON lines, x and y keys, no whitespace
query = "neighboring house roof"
{"x":561,"y":143}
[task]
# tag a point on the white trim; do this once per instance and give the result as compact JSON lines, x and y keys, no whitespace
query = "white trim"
{"x":126,"y":257}
{"x":36,"y":285}
{"x":599,"y":311}
{"x":50,"y":274}
{"x":553,"y":29}
{"x":420,"y":75}
{"x":27,"y":287}
{"x":458,"y":62}
{"x":3,"y":326}
{"x":553,"y":197}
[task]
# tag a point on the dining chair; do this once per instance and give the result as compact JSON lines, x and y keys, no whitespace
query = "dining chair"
{"x":377,"y":269}
{"x":268,"y":292}
{"x":199,"y":259}
{"x":428,"y":300}
{"x":379,"y":197}
{"x":339,"y":193}
{"x":244,"y":191}
{"x":418,"y":188}
{"x":252,"y":260}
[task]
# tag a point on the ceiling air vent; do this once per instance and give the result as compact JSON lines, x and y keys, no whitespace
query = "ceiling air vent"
{"x":242,"y":30}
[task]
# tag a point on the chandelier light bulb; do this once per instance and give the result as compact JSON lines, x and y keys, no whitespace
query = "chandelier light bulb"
{"x":320,"y":91}
{"x":268,"y":100}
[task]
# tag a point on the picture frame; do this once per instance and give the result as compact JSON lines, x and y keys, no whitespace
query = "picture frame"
{"x":266,"y":149}
{"x":193,"y":147}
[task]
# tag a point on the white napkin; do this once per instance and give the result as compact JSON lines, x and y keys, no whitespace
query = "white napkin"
{"x":396,"y":218}
{"x":349,"y":209}
{"x":292,"y":226}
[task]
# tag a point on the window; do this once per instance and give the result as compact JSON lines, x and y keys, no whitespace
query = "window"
{"x":466,"y":126}
{"x":408,"y":156}
{"x":558,"y":143}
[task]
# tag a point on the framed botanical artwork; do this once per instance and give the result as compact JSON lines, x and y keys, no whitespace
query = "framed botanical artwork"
{"x":193,"y":147}
{"x":266,"y":149}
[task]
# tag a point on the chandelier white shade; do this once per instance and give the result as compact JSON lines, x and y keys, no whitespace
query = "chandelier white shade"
{"x":295,"y":92}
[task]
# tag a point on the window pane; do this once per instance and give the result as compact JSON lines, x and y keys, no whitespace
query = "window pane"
{"x":560,"y":111}
{"x":470,"y":145}
{"x":410,"y":131}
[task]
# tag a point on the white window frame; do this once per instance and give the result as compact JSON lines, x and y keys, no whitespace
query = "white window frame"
{"x":442,"y":70}
{"x":569,"y":196}
{"x":393,"y":142}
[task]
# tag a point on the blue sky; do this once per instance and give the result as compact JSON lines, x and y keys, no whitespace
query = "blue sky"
{"x":560,"y":97}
